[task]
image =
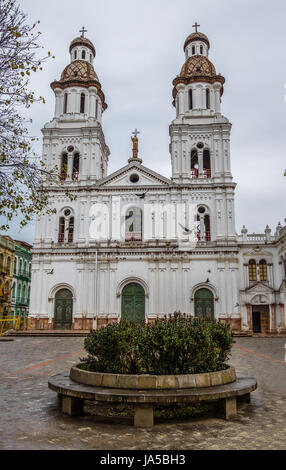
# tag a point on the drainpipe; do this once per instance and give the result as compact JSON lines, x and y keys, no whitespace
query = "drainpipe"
{"x":96,"y":291}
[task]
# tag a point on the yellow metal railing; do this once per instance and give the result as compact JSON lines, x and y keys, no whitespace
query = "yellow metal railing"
{"x":14,"y":323}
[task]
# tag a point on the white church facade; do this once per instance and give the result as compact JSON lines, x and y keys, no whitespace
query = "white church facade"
{"x":135,"y":244}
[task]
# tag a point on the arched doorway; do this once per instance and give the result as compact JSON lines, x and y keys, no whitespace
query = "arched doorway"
{"x":63,"y":310}
{"x":133,"y":302}
{"x":204,"y":304}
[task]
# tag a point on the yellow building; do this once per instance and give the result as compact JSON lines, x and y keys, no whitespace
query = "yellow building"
{"x":7,"y":250}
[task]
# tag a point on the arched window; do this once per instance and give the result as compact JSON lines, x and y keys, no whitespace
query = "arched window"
{"x":82,"y":103}
{"x":75,"y":168}
{"x":8,"y":265}
{"x":19,"y":292}
{"x":20,"y":267}
{"x":203,"y":228}
{"x":64,"y":166}
{"x":75,"y":54}
{"x":252,"y":270}
{"x":193,"y":50}
{"x":206,"y":163}
{"x":90,"y":58}
{"x":15,"y":265}
{"x":263,"y":270}
{"x":208,"y":98}
{"x":24,"y":292}
{"x":83,"y":55}
{"x":71,"y":230}
{"x":194,"y":164}
{"x":96,"y":109}
{"x":190,"y":99}
{"x":201,"y":49}
{"x":65,"y":103}
{"x":13,"y":290}
{"x":133,"y":224}
{"x":61,"y":237}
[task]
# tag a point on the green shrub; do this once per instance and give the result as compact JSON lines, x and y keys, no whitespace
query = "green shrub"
{"x":175,"y":345}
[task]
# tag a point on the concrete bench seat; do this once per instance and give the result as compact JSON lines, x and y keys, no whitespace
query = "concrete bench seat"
{"x":73,"y":395}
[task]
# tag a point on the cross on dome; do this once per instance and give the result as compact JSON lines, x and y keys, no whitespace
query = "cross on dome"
{"x":196,"y":25}
{"x":136,"y":132}
{"x":82,"y":31}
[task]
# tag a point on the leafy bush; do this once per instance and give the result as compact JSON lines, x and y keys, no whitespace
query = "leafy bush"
{"x":175,"y":345}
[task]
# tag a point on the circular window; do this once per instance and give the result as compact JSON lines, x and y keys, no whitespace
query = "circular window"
{"x":70,"y":149}
{"x":67,"y":212}
{"x":201,"y":210}
{"x":134,"y":178}
{"x":200,"y":145}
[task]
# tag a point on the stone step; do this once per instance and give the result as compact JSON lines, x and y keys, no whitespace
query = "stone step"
{"x":53,"y":333}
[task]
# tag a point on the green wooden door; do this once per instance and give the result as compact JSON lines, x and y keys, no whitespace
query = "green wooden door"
{"x":133,"y":302}
{"x":204,"y":303}
{"x":63,"y":310}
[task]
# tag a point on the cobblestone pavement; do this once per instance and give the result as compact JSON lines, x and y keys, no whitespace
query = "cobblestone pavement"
{"x":31,"y":419}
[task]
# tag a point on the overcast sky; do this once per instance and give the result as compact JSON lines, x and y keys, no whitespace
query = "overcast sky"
{"x":139,"y":51}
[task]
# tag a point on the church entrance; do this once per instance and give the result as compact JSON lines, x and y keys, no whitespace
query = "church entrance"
{"x":63,"y":310}
{"x":133,"y":302}
{"x":260,"y":318}
{"x":204,"y":304}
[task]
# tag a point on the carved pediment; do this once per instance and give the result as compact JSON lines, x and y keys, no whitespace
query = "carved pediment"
{"x":259,"y":288}
{"x":257,"y":252}
{"x":134,"y":176}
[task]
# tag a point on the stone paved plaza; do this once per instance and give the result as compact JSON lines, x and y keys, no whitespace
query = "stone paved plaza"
{"x":31,"y":419}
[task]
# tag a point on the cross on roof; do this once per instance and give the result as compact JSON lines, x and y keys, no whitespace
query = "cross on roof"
{"x":196,"y":25}
{"x":136,"y":132}
{"x":82,"y":31}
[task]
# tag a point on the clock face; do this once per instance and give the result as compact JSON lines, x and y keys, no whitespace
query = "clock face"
{"x":67,"y":212}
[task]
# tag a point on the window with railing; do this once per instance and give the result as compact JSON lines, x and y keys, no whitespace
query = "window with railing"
{"x":252,"y":272}
{"x":206,"y":164}
{"x":263,"y":270}
{"x":194,"y":164}
{"x":75,"y":168}
{"x":203,"y":229}
{"x":64,"y":166}
{"x":133,"y":224}
{"x":61,"y":236}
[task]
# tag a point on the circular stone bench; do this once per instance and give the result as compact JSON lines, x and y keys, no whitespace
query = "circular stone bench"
{"x":144,"y":398}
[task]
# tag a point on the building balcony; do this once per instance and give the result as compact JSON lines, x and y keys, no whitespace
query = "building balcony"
{"x":195,"y":173}
{"x":204,"y":238}
{"x":133,"y":236}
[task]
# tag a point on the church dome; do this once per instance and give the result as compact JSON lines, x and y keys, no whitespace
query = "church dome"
{"x":82,"y":41}
{"x":80,"y":70}
{"x":197,"y":66}
{"x":197,"y":36}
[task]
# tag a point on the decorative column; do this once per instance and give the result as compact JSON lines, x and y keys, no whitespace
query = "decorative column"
{"x":273,"y":318}
{"x":282,"y":313}
{"x":249,"y":319}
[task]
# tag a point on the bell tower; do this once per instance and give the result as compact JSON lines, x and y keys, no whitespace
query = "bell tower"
{"x":200,"y":135}
{"x":74,"y":140}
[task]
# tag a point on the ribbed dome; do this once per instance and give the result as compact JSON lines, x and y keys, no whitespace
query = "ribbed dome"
{"x":79,"y":70}
{"x":197,"y":66}
{"x":196,"y":37}
{"x":82,"y":41}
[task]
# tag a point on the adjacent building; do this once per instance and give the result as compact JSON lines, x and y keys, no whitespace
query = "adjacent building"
{"x":20,"y":293}
{"x":7,"y":250}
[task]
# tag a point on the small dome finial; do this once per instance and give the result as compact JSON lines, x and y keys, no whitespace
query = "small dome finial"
{"x":82,"y":31}
{"x":196,"y":25}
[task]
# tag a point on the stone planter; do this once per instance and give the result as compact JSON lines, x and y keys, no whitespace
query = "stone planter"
{"x":152,"y":382}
